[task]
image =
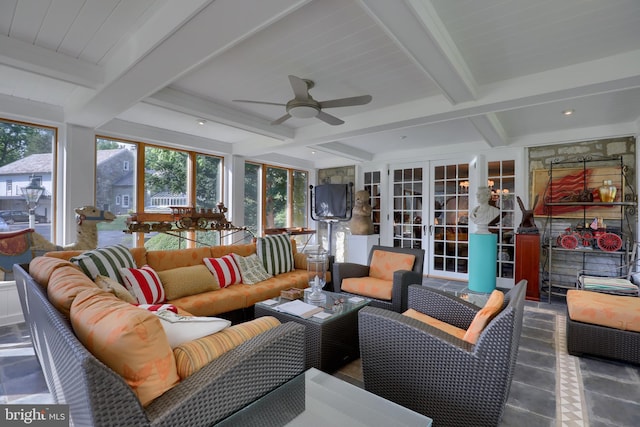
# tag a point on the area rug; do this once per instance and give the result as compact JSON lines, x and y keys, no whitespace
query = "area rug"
{"x":544,"y":335}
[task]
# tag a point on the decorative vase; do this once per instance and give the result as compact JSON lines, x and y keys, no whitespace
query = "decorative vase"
{"x":607,"y":191}
{"x":316,"y":269}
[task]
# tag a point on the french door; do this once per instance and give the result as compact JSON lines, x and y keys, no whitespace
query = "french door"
{"x":449,"y":222}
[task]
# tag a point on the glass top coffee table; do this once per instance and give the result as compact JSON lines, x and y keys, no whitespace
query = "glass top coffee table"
{"x":331,"y":336}
{"x":315,"y":398}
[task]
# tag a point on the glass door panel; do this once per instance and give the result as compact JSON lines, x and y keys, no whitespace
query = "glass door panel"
{"x":449,"y":226}
{"x":501,"y":181}
{"x":407,"y":207}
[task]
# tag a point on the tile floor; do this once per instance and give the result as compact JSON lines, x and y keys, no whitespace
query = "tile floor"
{"x":610,"y":391}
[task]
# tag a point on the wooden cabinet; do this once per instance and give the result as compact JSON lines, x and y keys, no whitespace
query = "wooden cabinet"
{"x":528,"y":263}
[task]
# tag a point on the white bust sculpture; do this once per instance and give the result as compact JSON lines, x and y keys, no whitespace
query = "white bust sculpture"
{"x":483,"y":214}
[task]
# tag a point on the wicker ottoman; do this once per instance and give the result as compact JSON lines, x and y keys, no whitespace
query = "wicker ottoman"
{"x":600,"y":340}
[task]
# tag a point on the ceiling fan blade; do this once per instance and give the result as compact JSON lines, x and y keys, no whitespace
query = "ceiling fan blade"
{"x":300,"y":88}
{"x":259,"y":102}
{"x":281,"y":119}
{"x":328,"y":118}
{"x":346,"y":102}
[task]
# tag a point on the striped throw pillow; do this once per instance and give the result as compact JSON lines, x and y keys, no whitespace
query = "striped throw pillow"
{"x":276,"y":253}
{"x":224,"y":269}
{"x":193,"y":355}
{"x":144,"y":284}
{"x":105,"y":261}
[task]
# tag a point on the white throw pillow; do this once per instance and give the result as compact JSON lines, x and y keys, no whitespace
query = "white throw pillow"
{"x":180,"y":329}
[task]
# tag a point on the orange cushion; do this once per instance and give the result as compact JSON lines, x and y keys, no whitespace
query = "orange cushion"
{"x":368,"y":286}
{"x":384,"y":264}
{"x":65,"y":284}
{"x":41,"y":267}
{"x":240,"y":249}
{"x":432,"y":321}
{"x":129,"y":340}
{"x":193,"y":355}
{"x":484,"y":316}
{"x":167,"y":259}
{"x":613,"y":311}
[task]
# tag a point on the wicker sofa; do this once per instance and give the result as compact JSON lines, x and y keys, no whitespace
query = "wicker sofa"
{"x":77,"y":353}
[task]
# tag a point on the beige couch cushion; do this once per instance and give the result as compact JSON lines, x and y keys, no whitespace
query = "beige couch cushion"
{"x":183,"y":281}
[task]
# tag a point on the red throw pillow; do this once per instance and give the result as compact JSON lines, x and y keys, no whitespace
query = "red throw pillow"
{"x":224,"y":269}
{"x":144,"y":284}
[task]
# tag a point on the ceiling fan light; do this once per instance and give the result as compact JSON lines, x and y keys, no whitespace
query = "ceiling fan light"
{"x":303,"y":112}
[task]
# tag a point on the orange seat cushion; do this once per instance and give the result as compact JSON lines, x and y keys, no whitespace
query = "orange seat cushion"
{"x":439,"y":324}
{"x":41,"y":267}
{"x":129,"y":340}
{"x":384,"y":264}
{"x":483,"y":317}
{"x":369,"y":287}
{"x":613,"y":311}
{"x":193,"y":355}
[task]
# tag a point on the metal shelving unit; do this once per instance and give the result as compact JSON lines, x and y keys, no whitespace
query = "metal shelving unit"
{"x":562,"y":264}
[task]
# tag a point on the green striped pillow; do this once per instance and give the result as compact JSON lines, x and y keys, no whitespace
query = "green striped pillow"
{"x":105,"y":261}
{"x":276,"y":253}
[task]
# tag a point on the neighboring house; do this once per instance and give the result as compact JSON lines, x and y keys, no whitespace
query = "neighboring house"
{"x":14,"y":176}
{"x":114,"y":181}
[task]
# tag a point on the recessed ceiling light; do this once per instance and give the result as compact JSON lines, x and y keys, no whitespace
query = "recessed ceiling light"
{"x":313,"y":152}
{"x":201,"y":122}
{"x":567,"y":112}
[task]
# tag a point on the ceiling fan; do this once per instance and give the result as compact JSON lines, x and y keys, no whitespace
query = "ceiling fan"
{"x":303,"y":106}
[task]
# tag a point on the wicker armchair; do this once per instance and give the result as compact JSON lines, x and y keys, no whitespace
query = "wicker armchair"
{"x":434,"y":373}
{"x":401,"y":279}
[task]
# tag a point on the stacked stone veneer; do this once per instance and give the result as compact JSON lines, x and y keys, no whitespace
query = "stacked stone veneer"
{"x":567,"y":264}
{"x":340,"y":175}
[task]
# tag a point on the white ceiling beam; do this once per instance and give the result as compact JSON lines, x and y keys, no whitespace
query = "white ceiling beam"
{"x":418,"y":30}
{"x":25,"y":109}
{"x":343,"y":150}
{"x":125,"y":129}
{"x":175,"y":100}
{"x":216,"y":28}
{"x":491,"y":129}
{"x":28,"y":57}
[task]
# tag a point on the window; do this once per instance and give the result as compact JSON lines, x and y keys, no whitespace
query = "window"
{"x":170,"y":178}
{"x":27,"y":150}
{"x":114,"y":185}
{"x":275,"y":197}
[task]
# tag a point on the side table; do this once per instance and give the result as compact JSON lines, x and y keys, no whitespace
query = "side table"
{"x":331,"y":341}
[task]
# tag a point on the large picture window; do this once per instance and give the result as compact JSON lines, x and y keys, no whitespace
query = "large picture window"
{"x":27,"y":152}
{"x":275,"y":197}
{"x":169,"y":178}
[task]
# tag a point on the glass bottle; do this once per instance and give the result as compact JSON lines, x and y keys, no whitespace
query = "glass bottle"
{"x":607,"y":191}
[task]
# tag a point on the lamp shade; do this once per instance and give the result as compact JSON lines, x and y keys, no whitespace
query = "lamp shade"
{"x":32,"y":192}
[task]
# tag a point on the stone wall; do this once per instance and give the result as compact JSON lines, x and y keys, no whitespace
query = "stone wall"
{"x":340,"y":175}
